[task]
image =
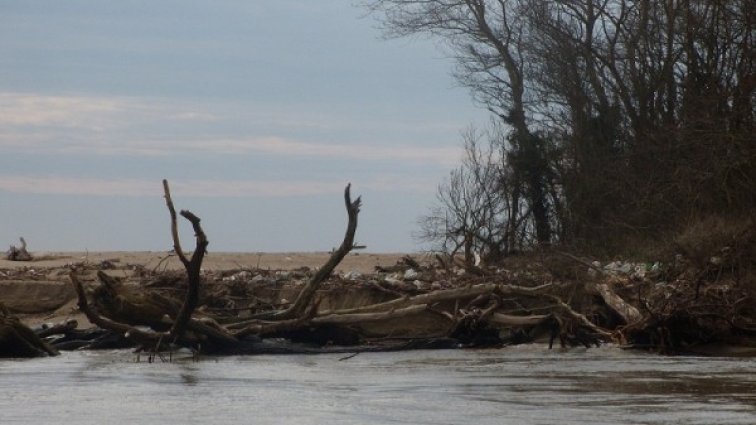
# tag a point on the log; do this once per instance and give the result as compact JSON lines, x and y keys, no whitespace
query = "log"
{"x":445,"y":295}
{"x":580,"y":318}
{"x":355,"y":318}
{"x":18,"y":340}
{"x":512,"y":321}
{"x":627,"y":312}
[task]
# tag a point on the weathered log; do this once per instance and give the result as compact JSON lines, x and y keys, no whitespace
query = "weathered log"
{"x":627,"y":312}
{"x":509,"y":320}
{"x":18,"y":340}
{"x":565,"y":309}
{"x":445,"y":295}
{"x":261,"y":327}
{"x":355,"y":318}
{"x":60,"y":328}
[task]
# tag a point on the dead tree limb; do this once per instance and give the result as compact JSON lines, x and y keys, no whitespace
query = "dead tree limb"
{"x":580,"y":318}
{"x":599,"y":270}
{"x":629,"y":313}
{"x":192,"y":266}
{"x":183,"y":319}
{"x":354,"y":318}
{"x":509,"y":320}
{"x":130,"y":332}
{"x":262,"y":327}
{"x":18,"y":340}
{"x":308,"y":292}
{"x":445,"y":295}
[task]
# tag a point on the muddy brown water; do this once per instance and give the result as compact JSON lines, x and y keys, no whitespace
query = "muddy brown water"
{"x":519,"y":385}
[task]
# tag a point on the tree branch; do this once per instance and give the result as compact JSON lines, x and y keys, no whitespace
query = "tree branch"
{"x":193,"y":266}
{"x":308,"y":292}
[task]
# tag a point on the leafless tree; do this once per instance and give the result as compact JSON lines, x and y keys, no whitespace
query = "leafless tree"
{"x":627,"y":117}
{"x":488,"y":40}
{"x":475,"y":212}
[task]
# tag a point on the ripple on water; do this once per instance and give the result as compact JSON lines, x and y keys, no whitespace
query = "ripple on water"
{"x":518,"y":385}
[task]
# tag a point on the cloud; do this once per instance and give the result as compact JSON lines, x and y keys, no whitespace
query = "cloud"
{"x":194,"y":117}
{"x":129,"y":126}
{"x":57,"y":185}
{"x":23,"y":109}
{"x":445,"y":155}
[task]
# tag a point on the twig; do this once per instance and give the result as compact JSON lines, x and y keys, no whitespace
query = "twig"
{"x":349,"y":356}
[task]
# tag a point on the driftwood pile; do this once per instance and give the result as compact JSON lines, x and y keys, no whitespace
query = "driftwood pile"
{"x":18,"y":253}
{"x":409,"y":307}
{"x":551,"y":297}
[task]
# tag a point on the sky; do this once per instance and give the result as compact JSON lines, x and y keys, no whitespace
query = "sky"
{"x":257,"y":113}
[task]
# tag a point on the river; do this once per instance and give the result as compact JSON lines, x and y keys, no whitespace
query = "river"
{"x":519,"y":385}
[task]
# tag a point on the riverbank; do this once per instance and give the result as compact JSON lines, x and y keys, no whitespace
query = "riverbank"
{"x":373,"y":302}
{"x":40,"y":290}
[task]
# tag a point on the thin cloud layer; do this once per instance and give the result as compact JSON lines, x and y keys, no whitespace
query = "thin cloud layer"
{"x":234,"y":102}
{"x":56,"y":185}
{"x":81,"y":125}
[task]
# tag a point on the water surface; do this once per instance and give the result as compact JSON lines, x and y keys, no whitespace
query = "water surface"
{"x":519,"y":385}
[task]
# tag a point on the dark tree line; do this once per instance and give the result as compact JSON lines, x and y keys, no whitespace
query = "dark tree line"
{"x":622,"y":118}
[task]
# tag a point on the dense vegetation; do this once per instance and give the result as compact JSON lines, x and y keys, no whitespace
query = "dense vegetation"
{"x":617,"y":122}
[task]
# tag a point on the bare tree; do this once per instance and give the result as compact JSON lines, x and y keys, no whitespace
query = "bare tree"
{"x":475,"y":212}
{"x":488,"y":40}
{"x":627,"y":117}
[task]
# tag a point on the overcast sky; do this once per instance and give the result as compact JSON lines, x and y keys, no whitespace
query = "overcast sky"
{"x":258,"y":113}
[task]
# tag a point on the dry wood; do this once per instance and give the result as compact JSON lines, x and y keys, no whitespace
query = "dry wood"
{"x":183,"y":319}
{"x":192,"y":266}
{"x":354,"y":318}
{"x":308,"y":292}
{"x":628,"y":313}
{"x":262,"y":327}
{"x":508,"y":320}
{"x":17,"y":340}
{"x":580,"y":318}
{"x":131,"y":332}
{"x":445,"y":295}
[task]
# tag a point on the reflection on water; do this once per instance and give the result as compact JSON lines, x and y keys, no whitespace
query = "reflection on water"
{"x":519,"y":385}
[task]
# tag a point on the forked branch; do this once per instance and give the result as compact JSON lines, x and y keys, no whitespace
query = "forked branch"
{"x":192,"y":266}
{"x":308,"y":292}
